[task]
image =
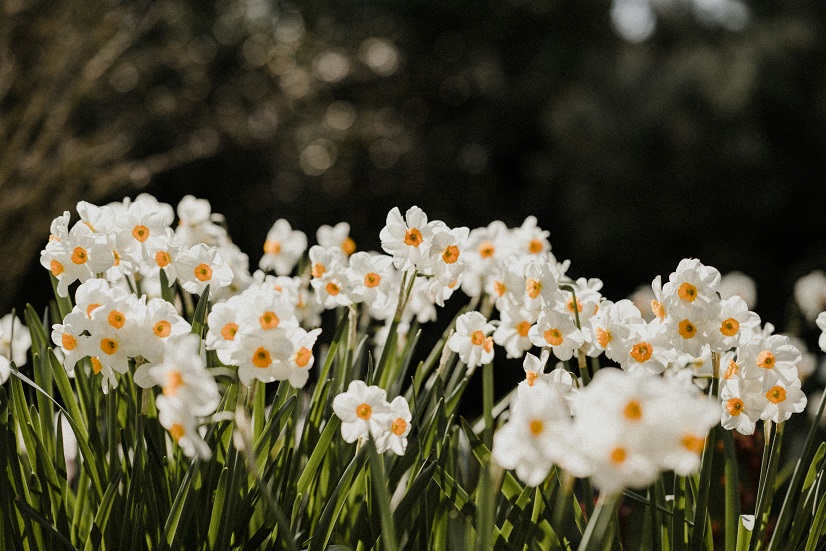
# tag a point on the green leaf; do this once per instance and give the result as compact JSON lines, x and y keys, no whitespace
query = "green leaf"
{"x":220,"y":498}
{"x":322,"y":446}
{"x":335,"y":502}
{"x":818,"y":525}
{"x":456,"y":495}
{"x":200,"y":315}
{"x":167,"y":292}
{"x":30,"y":512}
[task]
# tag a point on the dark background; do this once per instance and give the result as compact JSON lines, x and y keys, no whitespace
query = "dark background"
{"x":699,"y":141}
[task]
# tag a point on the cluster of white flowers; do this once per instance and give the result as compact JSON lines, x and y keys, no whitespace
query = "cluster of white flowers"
{"x":364,"y":412}
{"x":258,"y":331}
{"x":265,"y":324}
{"x":111,"y":326}
{"x":621,"y":430}
{"x":134,"y":239}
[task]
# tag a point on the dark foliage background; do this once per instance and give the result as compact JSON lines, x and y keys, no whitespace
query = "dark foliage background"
{"x":698,"y":142}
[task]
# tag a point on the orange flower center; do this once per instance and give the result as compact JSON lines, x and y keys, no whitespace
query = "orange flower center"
{"x":553,"y":337}
{"x":91,"y":308}
{"x":68,"y":342}
{"x":693,"y":443}
{"x":731,"y":370}
{"x":176,"y":431}
{"x":398,"y":426}
{"x":603,"y":336}
{"x":642,"y":351}
{"x":477,"y":338}
{"x":116,"y":319}
{"x":658,"y":309}
{"x":141,"y":233}
{"x":319,"y":269}
{"x":535,"y":246}
{"x":486,"y":249}
{"x":79,"y":255}
{"x":618,"y":455}
{"x":303,"y":357}
{"x":372,"y":280}
{"x":488,"y":345}
{"x":536,"y":427}
{"x":776,"y":394}
{"x":734,"y":406}
{"x":413,"y":237}
{"x":108,"y":346}
{"x":531,"y":376}
{"x":765,"y":359}
{"x":499,"y":288}
{"x":162,"y":259}
{"x":332,"y":289}
{"x":162,"y":329}
{"x":522,"y":328}
{"x":269,"y":320}
{"x":687,"y":292}
{"x":348,"y":246}
{"x":533,"y":287}
{"x":174,"y":380}
{"x":56,"y":268}
{"x":272,"y":247}
{"x":633,"y":411}
{"x":364,"y":411}
{"x":261,"y":358}
{"x":203,"y":272}
{"x":96,"y":365}
{"x":687,"y":329}
{"x":451,"y":254}
{"x":570,"y":305}
{"x":229,"y":330}
{"x":730,"y":327}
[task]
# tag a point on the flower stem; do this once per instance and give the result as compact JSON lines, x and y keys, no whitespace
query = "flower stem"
{"x":598,"y":533}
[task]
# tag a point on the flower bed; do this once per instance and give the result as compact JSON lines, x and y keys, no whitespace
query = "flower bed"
{"x":174,"y":400}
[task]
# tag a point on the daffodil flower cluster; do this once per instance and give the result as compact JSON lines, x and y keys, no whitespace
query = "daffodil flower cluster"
{"x":365,"y":412}
{"x":621,"y":430}
{"x":111,"y":326}
{"x":134,"y":239}
{"x":258,"y":331}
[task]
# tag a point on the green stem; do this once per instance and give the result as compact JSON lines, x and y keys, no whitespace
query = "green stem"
{"x":596,"y":534}
{"x":732,"y":492}
{"x":766,"y":496}
{"x":487,"y":403}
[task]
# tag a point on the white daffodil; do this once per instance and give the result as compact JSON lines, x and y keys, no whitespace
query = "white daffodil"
{"x":535,"y":435}
{"x":363,"y":411}
{"x":200,"y":266}
{"x":557,"y":331}
{"x":259,"y":355}
{"x":396,"y":427}
{"x":161,"y":324}
{"x":407,"y":240}
{"x":512,"y":331}
{"x":373,"y":279}
{"x":336,"y":236}
{"x":471,"y":341}
{"x":282,"y":248}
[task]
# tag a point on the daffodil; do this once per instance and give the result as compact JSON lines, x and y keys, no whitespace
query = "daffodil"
{"x":471,"y":341}
{"x":362,"y":409}
{"x":283,"y":248}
